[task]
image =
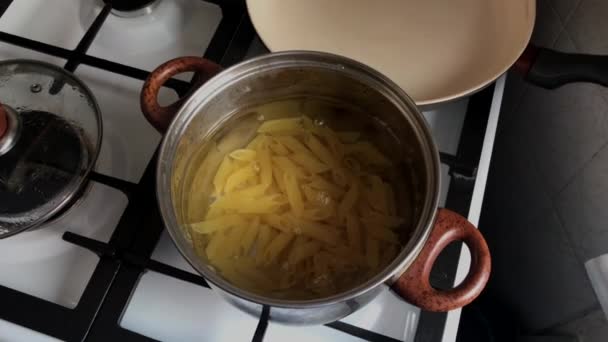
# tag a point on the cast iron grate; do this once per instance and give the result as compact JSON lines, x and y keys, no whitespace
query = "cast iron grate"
{"x":126,"y":256}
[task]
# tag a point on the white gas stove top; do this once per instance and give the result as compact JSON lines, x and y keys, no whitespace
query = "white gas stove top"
{"x":43,"y":265}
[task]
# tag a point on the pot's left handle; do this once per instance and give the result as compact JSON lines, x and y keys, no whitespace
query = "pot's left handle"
{"x":414,"y":285}
{"x":160,"y":116}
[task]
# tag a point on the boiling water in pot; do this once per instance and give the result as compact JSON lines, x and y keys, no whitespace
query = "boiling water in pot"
{"x":299,"y":199}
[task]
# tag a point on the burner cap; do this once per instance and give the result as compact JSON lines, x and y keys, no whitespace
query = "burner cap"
{"x":132,"y":8}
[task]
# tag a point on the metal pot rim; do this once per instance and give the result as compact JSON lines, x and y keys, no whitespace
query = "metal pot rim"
{"x":292,"y":59}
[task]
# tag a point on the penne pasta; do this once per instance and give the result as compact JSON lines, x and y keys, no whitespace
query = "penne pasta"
{"x":383,"y":234}
{"x":203,"y":183}
{"x":277,"y":175}
{"x":232,"y":244}
{"x":317,"y":230}
{"x":246,"y":268}
{"x":349,"y":200}
{"x":338,"y":258}
{"x":335,"y":145}
{"x":346,"y":253}
{"x":320,"y":151}
{"x":278,"y":222}
{"x":219,"y":223}
{"x":309,"y":163}
{"x":318,"y":213}
{"x":303,"y":249}
{"x":277,"y":148}
{"x":348,"y":137}
{"x":376,"y":195}
{"x":321,"y":267}
{"x":388,"y":254}
{"x":363,"y":207}
{"x":248,"y":271}
{"x":277,"y":245}
{"x":243,"y":154}
{"x":290,"y":207}
{"x":320,"y":183}
{"x":256,"y":142}
{"x":251,"y":205}
{"x":352,"y":164}
{"x":238,"y":136}
{"x":390,"y":199}
{"x":249,"y":235}
{"x":199,"y":242}
{"x":239,"y":177}
{"x":307,"y":123}
{"x":372,"y":253}
{"x":293,"y":144}
{"x":316,"y":197}
{"x":371,"y":218}
{"x":289,"y":167}
{"x":265,"y":235}
{"x":214,"y":212}
{"x":215,"y":245}
{"x":288,"y":280}
{"x":353,"y":232}
{"x":281,"y":125}
{"x":265,"y":163}
{"x":367,"y":153}
{"x":227,"y":269}
{"x":294,"y":195}
{"x":252,"y":191}
{"x":223,"y":172}
{"x":340,"y":177}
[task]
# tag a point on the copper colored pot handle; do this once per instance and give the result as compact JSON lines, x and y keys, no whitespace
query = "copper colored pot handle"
{"x":414,"y":285}
{"x":160,"y":116}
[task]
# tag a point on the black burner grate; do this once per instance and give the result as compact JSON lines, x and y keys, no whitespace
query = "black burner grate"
{"x":126,"y":256}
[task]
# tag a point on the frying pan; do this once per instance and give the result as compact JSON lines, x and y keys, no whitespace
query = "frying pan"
{"x":435,"y":50}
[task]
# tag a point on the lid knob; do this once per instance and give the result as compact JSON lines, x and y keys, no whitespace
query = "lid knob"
{"x":10,"y":128}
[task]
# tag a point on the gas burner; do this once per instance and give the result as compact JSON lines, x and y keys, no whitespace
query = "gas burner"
{"x":132,"y":8}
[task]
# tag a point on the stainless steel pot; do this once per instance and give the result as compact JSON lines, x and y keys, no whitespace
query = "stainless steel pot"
{"x":294,"y":74}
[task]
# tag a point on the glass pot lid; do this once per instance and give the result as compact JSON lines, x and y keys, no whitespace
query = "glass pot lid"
{"x":50,"y":136}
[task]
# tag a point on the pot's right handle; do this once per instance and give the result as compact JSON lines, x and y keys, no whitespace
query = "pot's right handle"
{"x":414,"y":285}
{"x":552,"y":69}
{"x":160,"y":116}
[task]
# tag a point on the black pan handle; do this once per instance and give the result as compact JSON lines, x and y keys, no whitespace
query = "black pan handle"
{"x":552,"y":69}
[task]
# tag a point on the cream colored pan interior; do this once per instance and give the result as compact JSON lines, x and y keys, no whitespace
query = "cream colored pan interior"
{"x":436,"y":50}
